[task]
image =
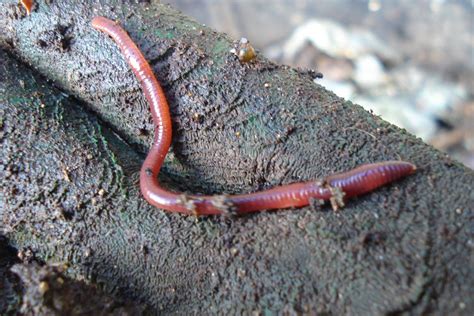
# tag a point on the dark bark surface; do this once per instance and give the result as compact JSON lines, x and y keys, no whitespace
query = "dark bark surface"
{"x":70,"y":190}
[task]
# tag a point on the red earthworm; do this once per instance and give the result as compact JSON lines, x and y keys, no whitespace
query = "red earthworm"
{"x":334,"y":188}
{"x":28,"y":5}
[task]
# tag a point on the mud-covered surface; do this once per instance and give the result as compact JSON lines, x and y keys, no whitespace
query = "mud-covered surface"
{"x":71,"y":194}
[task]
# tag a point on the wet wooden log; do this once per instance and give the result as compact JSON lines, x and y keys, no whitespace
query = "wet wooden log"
{"x":70,"y":159}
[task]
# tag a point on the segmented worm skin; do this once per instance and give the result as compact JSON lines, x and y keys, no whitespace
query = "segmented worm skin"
{"x":28,"y":5}
{"x":355,"y":182}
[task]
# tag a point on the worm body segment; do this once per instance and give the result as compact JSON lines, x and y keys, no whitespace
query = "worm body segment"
{"x":28,"y":5}
{"x":355,"y":182}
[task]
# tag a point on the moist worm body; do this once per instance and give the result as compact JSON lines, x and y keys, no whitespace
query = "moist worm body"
{"x":358,"y":181}
{"x":28,"y":5}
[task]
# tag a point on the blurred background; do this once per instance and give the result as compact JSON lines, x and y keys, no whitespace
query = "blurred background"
{"x":411,"y":62}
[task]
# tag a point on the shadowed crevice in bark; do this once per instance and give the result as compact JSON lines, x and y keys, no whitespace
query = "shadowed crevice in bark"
{"x":72,"y":196}
{"x":48,"y":291}
{"x":10,"y":287}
